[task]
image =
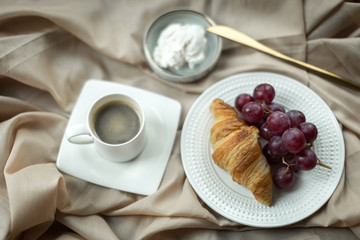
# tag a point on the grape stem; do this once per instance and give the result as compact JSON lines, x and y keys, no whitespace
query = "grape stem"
{"x":287,"y":164}
{"x":323,"y":164}
{"x":266,"y":110}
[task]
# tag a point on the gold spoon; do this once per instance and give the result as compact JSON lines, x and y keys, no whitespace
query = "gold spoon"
{"x":234,"y":35}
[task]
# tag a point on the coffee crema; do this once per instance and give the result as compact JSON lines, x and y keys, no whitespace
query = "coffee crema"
{"x":116,"y":122}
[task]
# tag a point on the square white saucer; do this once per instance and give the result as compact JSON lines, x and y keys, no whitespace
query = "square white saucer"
{"x":141,"y":175}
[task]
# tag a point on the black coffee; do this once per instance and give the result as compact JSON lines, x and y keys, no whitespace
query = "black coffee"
{"x":116,"y":122}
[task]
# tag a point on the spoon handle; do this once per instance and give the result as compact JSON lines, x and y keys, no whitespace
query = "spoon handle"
{"x":244,"y":39}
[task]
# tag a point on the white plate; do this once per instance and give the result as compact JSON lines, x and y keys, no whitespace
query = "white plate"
{"x":142,"y":175}
{"x":215,"y":187}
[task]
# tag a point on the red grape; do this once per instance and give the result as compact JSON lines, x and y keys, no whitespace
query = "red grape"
{"x":269,"y":156}
{"x":241,"y":100}
{"x":252,"y":112}
{"x":275,"y":107}
{"x":284,"y":177}
{"x":278,"y":122}
{"x":293,"y":140}
{"x":296,"y":117}
{"x":272,"y":107}
{"x":276,"y":147}
{"x":264,"y":92}
{"x":260,"y":123}
{"x":309,"y":130}
{"x":305,"y":160}
{"x":265,"y":133}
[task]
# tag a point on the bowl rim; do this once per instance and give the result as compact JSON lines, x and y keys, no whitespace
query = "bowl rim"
{"x":186,"y":78}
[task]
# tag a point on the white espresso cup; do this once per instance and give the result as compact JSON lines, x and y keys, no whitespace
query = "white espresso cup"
{"x":115,"y":124}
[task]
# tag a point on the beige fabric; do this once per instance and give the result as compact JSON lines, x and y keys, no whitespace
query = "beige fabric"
{"x":48,"y":49}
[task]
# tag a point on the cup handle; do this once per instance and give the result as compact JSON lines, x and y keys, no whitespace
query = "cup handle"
{"x":78,"y":134}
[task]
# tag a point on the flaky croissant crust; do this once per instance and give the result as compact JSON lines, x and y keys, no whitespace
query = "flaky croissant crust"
{"x":237,"y":150}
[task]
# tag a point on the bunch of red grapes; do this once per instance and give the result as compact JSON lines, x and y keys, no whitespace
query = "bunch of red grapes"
{"x":289,"y":137}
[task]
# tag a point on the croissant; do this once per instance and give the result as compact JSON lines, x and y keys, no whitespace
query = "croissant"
{"x":237,"y":150}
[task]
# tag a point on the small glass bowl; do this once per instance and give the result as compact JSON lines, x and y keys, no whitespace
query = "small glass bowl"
{"x":182,"y":16}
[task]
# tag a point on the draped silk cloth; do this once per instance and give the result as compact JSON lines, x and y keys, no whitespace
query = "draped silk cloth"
{"x":49,"y":49}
